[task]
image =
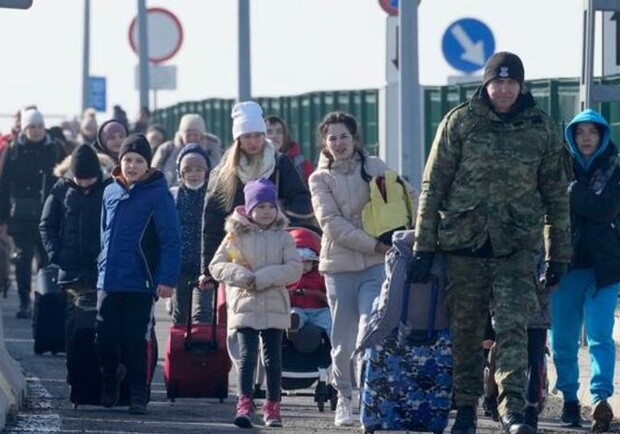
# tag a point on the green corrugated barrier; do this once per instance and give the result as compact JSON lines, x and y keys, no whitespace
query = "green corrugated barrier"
{"x":559,"y":97}
{"x":302,"y":113}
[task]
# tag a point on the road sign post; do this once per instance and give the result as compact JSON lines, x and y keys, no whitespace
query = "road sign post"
{"x":467,"y":44}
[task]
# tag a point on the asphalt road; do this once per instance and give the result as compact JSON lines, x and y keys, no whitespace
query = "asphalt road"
{"x":48,"y":409}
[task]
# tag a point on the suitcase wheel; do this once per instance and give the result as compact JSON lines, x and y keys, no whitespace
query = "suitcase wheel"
{"x":333,"y":397}
{"x":321,"y":395}
{"x":75,"y":406}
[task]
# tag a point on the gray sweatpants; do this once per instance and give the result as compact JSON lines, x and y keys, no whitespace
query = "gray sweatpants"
{"x":350,"y":297}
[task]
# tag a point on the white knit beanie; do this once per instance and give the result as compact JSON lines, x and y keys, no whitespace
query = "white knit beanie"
{"x":247,"y":118}
{"x":192,"y":121}
{"x":31,"y":117}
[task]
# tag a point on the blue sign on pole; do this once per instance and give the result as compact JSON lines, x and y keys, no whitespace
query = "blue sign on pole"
{"x":467,"y":44}
{"x":97,"y":93}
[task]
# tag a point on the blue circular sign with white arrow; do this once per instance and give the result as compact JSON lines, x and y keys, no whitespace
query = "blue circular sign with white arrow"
{"x":467,"y":44}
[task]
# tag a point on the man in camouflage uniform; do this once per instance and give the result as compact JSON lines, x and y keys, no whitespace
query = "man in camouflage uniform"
{"x":492,"y":182}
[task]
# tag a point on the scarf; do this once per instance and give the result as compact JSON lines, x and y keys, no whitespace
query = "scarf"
{"x":247,"y":172}
{"x":602,"y":175}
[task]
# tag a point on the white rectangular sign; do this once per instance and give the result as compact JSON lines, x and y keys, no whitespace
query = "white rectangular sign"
{"x":160,"y":77}
{"x":391,"y":50}
{"x":611,"y":47}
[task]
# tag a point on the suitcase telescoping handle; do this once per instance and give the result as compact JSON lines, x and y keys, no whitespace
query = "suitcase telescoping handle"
{"x":430,"y":332}
{"x":188,"y":335}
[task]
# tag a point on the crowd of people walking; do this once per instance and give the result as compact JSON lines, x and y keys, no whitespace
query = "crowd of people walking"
{"x":524,"y":225}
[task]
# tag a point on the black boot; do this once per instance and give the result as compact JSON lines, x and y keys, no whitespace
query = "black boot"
{"x":111,"y":387}
{"x":24,"y":311}
{"x":571,"y":414}
{"x":513,"y":423}
{"x":137,"y":402}
{"x":490,"y":407}
{"x":466,"y":420}
{"x":530,"y":414}
{"x":602,"y":415}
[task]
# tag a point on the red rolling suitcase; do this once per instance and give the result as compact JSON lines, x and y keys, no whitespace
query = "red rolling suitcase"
{"x":197,"y":362}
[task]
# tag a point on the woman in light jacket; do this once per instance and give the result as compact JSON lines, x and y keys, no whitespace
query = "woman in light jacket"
{"x":350,"y":259}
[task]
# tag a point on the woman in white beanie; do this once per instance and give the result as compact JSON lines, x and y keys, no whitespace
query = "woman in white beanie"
{"x":192,"y":129}
{"x":251,"y":156}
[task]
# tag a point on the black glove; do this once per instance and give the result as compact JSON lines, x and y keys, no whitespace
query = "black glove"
{"x":554,"y":271}
{"x":420,"y":267}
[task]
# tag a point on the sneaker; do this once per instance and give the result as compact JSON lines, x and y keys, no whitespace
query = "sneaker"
{"x":344,"y":412}
{"x":602,"y":415}
{"x":245,"y":408}
{"x":111,"y":387}
{"x":571,"y":414}
{"x":466,"y":420}
{"x":271,"y":414}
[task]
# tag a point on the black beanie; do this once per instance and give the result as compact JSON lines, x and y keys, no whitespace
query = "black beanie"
{"x":84,"y":162}
{"x":504,"y":65}
{"x":136,"y":143}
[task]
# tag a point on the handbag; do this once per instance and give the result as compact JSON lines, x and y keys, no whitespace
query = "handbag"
{"x":47,"y":280}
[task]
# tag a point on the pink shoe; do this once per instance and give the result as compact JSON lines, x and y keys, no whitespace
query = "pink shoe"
{"x":271,"y":413}
{"x":245,"y":408}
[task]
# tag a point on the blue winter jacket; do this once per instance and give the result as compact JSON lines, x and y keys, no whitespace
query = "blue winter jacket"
{"x":140,"y":239}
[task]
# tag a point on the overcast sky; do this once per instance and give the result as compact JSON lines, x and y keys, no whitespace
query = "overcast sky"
{"x":298,"y":46}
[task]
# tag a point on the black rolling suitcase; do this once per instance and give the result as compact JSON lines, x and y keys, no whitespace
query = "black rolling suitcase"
{"x":83,"y":373}
{"x":48,"y":317}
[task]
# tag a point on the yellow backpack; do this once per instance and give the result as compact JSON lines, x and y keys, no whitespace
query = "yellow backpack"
{"x":389,"y":209}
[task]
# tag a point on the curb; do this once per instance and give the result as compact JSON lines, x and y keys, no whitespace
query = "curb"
{"x":12,"y":382}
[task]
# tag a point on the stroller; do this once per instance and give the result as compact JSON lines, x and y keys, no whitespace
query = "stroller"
{"x":306,"y":358}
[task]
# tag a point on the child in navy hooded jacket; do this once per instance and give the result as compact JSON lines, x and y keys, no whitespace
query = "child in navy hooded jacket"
{"x":193,"y":167}
{"x":589,"y":292}
{"x":139,"y":261}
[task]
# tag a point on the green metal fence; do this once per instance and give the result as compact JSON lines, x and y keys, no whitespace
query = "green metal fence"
{"x":559,"y":97}
{"x":302,"y":113}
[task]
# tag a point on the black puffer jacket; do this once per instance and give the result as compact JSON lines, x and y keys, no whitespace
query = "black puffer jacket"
{"x":26,"y":180}
{"x":595,"y":217}
{"x":70,"y":226}
{"x":292,"y":192}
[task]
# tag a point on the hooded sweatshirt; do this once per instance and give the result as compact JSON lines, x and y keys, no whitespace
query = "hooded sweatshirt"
{"x":595,"y":203}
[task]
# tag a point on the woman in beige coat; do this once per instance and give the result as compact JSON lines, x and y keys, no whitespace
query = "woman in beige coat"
{"x":256,"y":261}
{"x":350,"y":259}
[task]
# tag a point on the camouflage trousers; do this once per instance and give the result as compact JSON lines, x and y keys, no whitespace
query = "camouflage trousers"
{"x":474,"y":285}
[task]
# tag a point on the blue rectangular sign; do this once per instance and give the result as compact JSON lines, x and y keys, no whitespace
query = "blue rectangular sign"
{"x":97,"y":93}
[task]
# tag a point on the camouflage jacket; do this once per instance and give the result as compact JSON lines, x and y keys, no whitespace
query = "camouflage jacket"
{"x":498,"y":179}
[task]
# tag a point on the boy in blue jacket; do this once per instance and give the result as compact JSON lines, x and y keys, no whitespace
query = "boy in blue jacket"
{"x":139,"y":261}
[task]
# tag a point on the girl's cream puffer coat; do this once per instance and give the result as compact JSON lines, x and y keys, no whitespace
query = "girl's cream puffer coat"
{"x":270,"y":257}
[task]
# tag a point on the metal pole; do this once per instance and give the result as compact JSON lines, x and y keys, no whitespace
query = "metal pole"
{"x":144,"y":54}
{"x":411,"y":149}
{"x":86,"y":55}
{"x":244,"y":91}
{"x":587,"y":73}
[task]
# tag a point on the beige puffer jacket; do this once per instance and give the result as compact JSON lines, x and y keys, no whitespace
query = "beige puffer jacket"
{"x":338,"y":196}
{"x":271,"y":258}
